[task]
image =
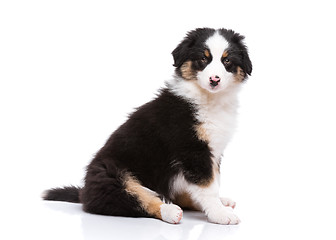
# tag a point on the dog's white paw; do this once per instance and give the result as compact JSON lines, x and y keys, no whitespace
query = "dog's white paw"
{"x":224,"y":216}
{"x":228,"y":202}
{"x":171,"y":213}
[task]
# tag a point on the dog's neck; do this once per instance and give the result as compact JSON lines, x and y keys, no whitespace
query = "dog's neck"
{"x":192,"y":92}
{"x":216,"y":112}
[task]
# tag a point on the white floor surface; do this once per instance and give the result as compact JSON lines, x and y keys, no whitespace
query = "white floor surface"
{"x":58,"y":220}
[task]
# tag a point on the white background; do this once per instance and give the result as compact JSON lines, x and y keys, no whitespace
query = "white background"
{"x":71,"y":71}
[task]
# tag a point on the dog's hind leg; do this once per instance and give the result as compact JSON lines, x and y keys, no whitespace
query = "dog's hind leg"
{"x":122,"y":194}
{"x":152,"y":204}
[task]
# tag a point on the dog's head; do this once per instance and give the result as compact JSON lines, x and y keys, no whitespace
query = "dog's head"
{"x":214,"y":59}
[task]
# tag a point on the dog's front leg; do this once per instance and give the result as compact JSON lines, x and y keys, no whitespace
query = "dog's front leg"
{"x":207,"y":197}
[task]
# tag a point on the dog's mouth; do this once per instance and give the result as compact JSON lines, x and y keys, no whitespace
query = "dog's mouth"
{"x":213,"y":87}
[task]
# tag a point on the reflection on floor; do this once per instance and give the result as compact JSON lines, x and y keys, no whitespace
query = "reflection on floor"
{"x":193,"y":226}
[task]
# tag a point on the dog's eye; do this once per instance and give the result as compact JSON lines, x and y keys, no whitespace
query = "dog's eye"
{"x":204,"y":59}
{"x":226,"y":61}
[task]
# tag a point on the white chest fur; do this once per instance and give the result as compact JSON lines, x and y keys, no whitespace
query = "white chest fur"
{"x":219,"y":122}
{"x":215,"y":111}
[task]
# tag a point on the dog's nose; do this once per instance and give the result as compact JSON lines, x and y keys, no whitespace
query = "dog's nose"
{"x":214,"y":80}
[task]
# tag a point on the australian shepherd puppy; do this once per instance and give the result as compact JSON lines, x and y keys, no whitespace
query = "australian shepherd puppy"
{"x":167,"y":155}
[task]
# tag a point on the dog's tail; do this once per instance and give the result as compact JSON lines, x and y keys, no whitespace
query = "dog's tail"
{"x":66,"y":194}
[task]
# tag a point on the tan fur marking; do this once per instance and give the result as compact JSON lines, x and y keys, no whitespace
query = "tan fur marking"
{"x":202,"y":133}
{"x":225,"y":54}
{"x":206,"y":53}
{"x":187,"y":72}
{"x":204,"y":136}
{"x":184,"y":201}
{"x":240,"y":75}
{"x":208,"y":182}
{"x":216,"y":169}
{"x":149,"y":202}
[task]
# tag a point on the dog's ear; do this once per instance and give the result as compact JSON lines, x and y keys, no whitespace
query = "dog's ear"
{"x":247,"y":64}
{"x":182,"y":51}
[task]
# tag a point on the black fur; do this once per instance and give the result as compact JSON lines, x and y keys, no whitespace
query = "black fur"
{"x":156,"y":142}
{"x":192,"y":47}
{"x":68,"y":194}
{"x":104,"y":191}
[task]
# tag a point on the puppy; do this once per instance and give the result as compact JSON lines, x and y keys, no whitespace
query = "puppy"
{"x":167,"y":155}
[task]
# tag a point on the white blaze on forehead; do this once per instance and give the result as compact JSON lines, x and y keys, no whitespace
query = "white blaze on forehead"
{"x":217,"y":45}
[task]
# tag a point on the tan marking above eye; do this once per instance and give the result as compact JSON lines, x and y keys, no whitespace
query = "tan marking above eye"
{"x":225,"y":54}
{"x":206,"y":53}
